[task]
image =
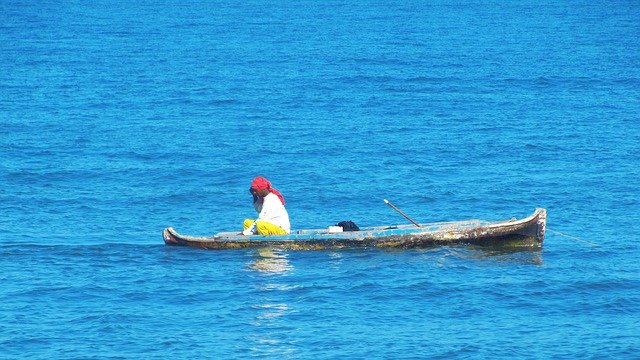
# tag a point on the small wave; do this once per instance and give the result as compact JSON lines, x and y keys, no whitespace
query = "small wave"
{"x":223,"y":102}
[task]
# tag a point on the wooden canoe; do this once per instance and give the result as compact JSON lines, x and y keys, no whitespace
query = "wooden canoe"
{"x":528,"y":231}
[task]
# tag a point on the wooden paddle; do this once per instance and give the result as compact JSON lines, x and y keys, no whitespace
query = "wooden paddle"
{"x":401,"y":213}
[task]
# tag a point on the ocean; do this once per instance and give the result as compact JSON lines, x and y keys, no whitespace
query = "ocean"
{"x":119,"y":119}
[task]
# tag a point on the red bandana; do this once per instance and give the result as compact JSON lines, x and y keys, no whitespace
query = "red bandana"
{"x":260,"y":183}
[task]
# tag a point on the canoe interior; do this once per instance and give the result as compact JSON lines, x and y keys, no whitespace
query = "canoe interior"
{"x":527,"y":232}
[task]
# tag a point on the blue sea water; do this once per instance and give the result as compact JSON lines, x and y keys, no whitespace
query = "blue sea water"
{"x":118,"y":119}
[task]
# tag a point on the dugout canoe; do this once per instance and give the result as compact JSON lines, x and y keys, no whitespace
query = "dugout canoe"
{"x":527,"y":231}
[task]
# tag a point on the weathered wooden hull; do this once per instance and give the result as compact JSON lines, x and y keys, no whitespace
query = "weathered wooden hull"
{"x":528,"y":231}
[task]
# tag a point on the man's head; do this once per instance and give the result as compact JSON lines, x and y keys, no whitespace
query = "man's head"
{"x":260,"y":186}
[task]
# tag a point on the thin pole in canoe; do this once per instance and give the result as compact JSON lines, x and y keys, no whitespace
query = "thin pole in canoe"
{"x":400,"y":212}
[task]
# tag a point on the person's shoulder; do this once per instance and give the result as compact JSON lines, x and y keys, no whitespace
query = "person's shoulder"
{"x":272,"y":198}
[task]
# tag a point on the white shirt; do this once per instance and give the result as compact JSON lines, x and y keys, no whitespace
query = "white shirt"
{"x":272,"y":211}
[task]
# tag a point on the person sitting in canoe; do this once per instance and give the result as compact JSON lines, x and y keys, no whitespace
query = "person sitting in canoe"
{"x":273,"y":218}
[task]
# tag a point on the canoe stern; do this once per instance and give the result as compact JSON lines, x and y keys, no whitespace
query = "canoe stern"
{"x":542,"y":224}
{"x":169,"y":238}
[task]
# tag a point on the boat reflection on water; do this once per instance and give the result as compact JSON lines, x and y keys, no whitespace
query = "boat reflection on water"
{"x":518,"y":255}
{"x":270,"y":332}
{"x":492,"y":254}
{"x":271,"y":261}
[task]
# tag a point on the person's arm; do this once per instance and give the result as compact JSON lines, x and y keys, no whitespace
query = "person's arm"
{"x":264,"y":213}
{"x":257,"y":201}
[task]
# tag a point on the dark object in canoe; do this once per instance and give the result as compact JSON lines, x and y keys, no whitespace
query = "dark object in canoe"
{"x":524,"y":232}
